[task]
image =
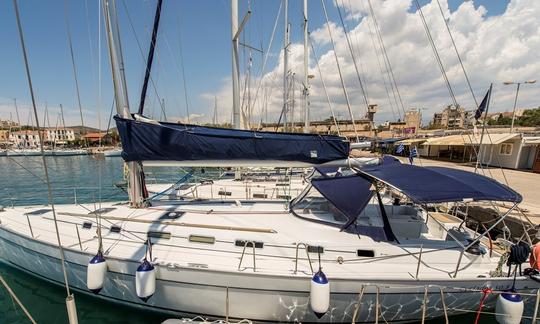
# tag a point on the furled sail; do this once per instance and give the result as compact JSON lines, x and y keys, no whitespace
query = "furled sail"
{"x":148,"y":140}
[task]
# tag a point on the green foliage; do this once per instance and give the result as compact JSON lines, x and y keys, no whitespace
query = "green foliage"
{"x":530,"y":118}
{"x":500,"y":121}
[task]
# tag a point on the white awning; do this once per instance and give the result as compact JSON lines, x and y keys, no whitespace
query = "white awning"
{"x":411,"y":141}
{"x":531,"y":140}
{"x":471,"y":139}
{"x":493,"y":138}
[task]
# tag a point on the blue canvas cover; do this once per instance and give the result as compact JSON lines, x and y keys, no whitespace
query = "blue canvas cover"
{"x":439,"y":184}
{"x":143,"y":141}
{"x":350,"y":195}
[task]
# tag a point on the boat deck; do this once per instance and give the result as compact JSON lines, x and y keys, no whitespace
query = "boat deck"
{"x":213,"y":235}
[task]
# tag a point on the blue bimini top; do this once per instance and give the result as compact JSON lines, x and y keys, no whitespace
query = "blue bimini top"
{"x":437,"y":184}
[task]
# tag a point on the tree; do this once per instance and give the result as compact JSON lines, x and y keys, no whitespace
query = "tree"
{"x":530,"y":118}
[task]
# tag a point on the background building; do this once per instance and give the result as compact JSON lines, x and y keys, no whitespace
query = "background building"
{"x":61,"y":136}
{"x":6,"y":124}
{"x":413,"y":120}
{"x":451,"y":117}
{"x":24,"y":139}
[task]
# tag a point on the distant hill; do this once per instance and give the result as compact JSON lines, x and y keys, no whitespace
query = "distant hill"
{"x":84,"y":129}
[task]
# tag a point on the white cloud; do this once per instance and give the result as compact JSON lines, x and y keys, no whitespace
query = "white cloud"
{"x":493,"y":49}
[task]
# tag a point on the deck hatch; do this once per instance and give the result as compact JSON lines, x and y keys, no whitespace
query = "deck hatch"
{"x":39,"y":211}
{"x":202,"y":239}
{"x":172,"y":215}
{"x":101,"y":211}
{"x":242,"y":243}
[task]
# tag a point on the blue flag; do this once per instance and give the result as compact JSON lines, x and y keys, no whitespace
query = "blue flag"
{"x":482,"y":106}
{"x":400,"y":148}
{"x":413,"y":154}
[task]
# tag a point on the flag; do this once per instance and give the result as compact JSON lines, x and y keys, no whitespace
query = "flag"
{"x":482,"y":106}
{"x":400,"y":148}
{"x":412,"y":155}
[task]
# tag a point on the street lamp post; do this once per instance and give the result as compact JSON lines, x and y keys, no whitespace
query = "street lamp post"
{"x":516,"y":98}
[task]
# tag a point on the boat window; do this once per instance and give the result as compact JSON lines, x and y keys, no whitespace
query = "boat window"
{"x":315,"y":249}
{"x":365,"y":253}
{"x":242,"y":243}
{"x":315,"y":207}
{"x":116,"y":229}
{"x":87,"y":225}
{"x":158,"y":234}
{"x":202,"y":239}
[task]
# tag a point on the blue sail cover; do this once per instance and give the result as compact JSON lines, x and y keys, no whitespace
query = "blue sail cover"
{"x":144,"y":141}
{"x":438,"y":184}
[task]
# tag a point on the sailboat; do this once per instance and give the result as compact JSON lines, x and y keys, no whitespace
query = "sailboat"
{"x":367,"y":239}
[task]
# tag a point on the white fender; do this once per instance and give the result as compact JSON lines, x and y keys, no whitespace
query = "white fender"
{"x":319,"y":294}
{"x":145,"y":280}
{"x":509,"y":308}
{"x":95,"y":273}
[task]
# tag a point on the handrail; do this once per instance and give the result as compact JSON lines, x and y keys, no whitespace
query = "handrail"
{"x":296,"y":258}
{"x":244,"y":251}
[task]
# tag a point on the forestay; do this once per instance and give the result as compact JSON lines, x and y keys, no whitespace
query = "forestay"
{"x":146,"y":140}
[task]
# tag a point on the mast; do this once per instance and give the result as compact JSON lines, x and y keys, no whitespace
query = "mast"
{"x":135,"y":181}
{"x":63,"y":120}
{"x":285,"y":66}
{"x":306,"y":61}
{"x":17,"y":113}
{"x":215,"y":117}
{"x":150,"y":57}
{"x":237,"y":122}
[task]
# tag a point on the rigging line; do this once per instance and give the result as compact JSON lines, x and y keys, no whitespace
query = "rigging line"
{"x":435,"y":52}
{"x":384,"y":75}
{"x":12,"y":294}
{"x":183,"y":69}
{"x":356,"y":48}
{"x":175,"y":64}
{"x":364,"y":94}
{"x":25,"y":168}
{"x":266,"y":55}
{"x":457,"y":53}
{"x":74,"y":67}
{"x":324,"y":85}
{"x":385,"y":55}
{"x":141,"y":51}
{"x":386,"y":62}
{"x":92,"y":60}
{"x":339,"y":71}
{"x":150,"y":56}
{"x":99,"y":103}
{"x":49,"y":189}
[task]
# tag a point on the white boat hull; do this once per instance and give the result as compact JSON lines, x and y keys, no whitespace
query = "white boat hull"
{"x":195,"y":290}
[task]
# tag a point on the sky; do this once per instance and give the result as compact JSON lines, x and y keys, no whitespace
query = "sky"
{"x":498,"y":40}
